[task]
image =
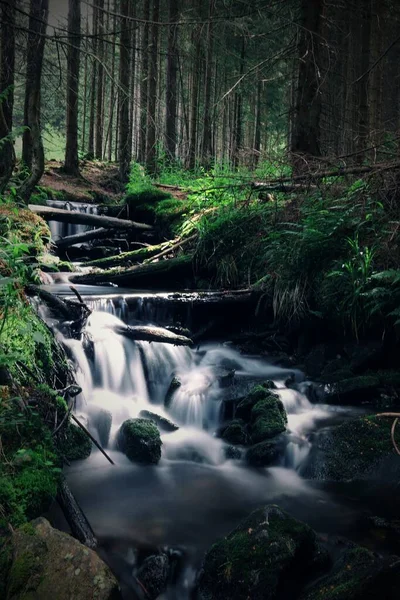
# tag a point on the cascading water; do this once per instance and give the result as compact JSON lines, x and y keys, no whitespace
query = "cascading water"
{"x":60,"y":230}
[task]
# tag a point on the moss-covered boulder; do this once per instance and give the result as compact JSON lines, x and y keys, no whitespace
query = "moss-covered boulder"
{"x":140,"y":440}
{"x":263,"y":454}
{"x":74,"y":443}
{"x":48,"y":564}
{"x":266,"y":557}
{"x":354,"y":449}
{"x":235,"y":433}
{"x":268,"y":418}
{"x":358,"y":575}
{"x":246,"y":404}
{"x":161,"y":422}
{"x":353,"y":390}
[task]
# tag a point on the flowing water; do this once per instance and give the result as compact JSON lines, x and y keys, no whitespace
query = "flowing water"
{"x":60,"y":230}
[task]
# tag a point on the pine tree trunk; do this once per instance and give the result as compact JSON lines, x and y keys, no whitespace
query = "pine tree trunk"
{"x":132,"y":83}
{"x":195,"y":89}
{"x":307,"y":112}
{"x":93,"y":87}
{"x":151,"y":149}
{"x":171,"y":93}
{"x":206,"y":143}
{"x":85,"y":96}
{"x":100,"y":81}
{"x":257,"y":127}
{"x":124,"y":73}
{"x":71,"y":164}
{"x":7,"y":75}
{"x":33,"y":144}
{"x":144,"y":83}
{"x":112,"y":91}
{"x":363,"y":83}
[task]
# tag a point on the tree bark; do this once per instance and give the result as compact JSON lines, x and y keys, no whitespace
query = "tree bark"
{"x":80,"y":238}
{"x":68,"y":216}
{"x":33,"y":150}
{"x":100,"y":82}
{"x":171,"y":91}
{"x":71,"y":164}
{"x":7,"y":75}
{"x":206,"y":143}
{"x":151,"y":148}
{"x":124,"y":74}
{"x":307,"y":112}
{"x":144,"y":82}
{"x":150,"y":333}
{"x":92,"y":115}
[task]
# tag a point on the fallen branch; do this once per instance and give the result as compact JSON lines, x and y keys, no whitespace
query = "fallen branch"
{"x":75,"y":517}
{"x":64,"y":308}
{"x":69,"y":216}
{"x":134,"y":256}
{"x":148,"y":333}
{"x":80,"y":238}
{"x":178,"y":244}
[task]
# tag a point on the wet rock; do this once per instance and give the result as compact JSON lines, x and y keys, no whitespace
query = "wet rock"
{"x":232,"y":453}
{"x":235,"y":433}
{"x":268,"y":417}
{"x":353,"y":450}
{"x":101,"y":419}
{"x":358,"y":574}
{"x":140,"y":440}
{"x":266,"y":557}
{"x":161,"y":422}
{"x":225,"y":377}
{"x":355,"y":389}
{"x":48,"y":564}
{"x":173,"y":386}
{"x":263,"y":454}
{"x":153,"y":575}
{"x":258,"y":392}
{"x":74,"y":444}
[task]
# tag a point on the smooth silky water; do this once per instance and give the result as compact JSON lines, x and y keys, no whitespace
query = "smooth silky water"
{"x":195,"y":494}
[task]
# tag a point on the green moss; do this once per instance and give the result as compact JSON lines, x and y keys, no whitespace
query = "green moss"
{"x":262,"y":454}
{"x":140,"y":440}
{"x":259,"y":559}
{"x":235,"y":433}
{"x":24,"y":575}
{"x":5,"y":563}
{"x":245,"y":406}
{"x":268,"y":418}
{"x":74,"y":444}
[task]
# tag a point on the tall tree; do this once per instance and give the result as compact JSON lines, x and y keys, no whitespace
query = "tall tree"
{"x":33,"y":151}
{"x":206,"y":142}
{"x":71,"y":164}
{"x":7,"y":74}
{"x":124,"y":76}
{"x":100,"y":81}
{"x":171,"y":88}
{"x":92,"y":114}
{"x":151,"y":149}
{"x":144,"y":81}
{"x":307,"y":111}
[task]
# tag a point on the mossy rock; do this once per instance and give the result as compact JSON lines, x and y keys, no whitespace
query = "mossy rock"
{"x":263,"y":454}
{"x":161,"y":422}
{"x":266,"y":557}
{"x":245,"y":406}
{"x":268,"y":418}
{"x":48,"y":564}
{"x":354,"y":449}
{"x":173,"y":386}
{"x":75,"y":444}
{"x":359,"y":575}
{"x":235,"y":433}
{"x":140,"y":440}
{"x":352,"y":390}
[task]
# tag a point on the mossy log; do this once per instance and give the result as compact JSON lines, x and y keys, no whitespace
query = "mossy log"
{"x":80,"y":526}
{"x":127,"y":258}
{"x":160,"y":275}
{"x":86,"y":236}
{"x":147,"y":333}
{"x":76,"y":217}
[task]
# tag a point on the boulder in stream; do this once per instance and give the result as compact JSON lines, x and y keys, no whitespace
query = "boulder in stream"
{"x":268,"y":416}
{"x":246,"y":404}
{"x":235,"y":433}
{"x":267,"y":557}
{"x":173,"y":386}
{"x":264,"y":453}
{"x":140,"y":440}
{"x":161,"y":422}
{"x":153,"y":575}
{"x":48,"y":564}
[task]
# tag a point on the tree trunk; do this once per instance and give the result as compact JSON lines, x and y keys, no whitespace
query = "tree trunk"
{"x":363,"y":84}
{"x":112,"y":92}
{"x":76,"y":217}
{"x":171,"y":92}
{"x":71,"y":164}
{"x":132,"y":82}
{"x":124,"y":74}
{"x":33,"y":143}
{"x":151,"y":148}
{"x":307,"y":112}
{"x":93,"y":87}
{"x":7,"y":73}
{"x":100,"y":81}
{"x":85,"y":96}
{"x":257,"y":127}
{"x":206,"y":145}
{"x":144,"y":82}
{"x":195,"y":89}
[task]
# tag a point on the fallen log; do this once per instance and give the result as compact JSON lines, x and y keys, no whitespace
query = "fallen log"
{"x":148,"y":333}
{"x":86,"y":236}
{"x":75,"y":517}
{"x":66,"y":309}
{"x":75,"y":217}
{"x":174,"y":245}
{"x":134,"y":256}
{"x":165,"y":274}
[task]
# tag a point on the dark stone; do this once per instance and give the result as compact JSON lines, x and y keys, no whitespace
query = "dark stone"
{"x":263,"y":454}
{"x":267,"y":557}
{"x":358,"y":574}
{"x":353,"y":390}
{"x":173,"y":386}
{"x":161,"y":422}
{"x":353,"y":450}
{"x":258,"y":392}
{"x":232,"y":453}
{"x":235,"y":433}
{"x":140,"y":440}
{"x":268,"y":418}
{"x":153,"y":575}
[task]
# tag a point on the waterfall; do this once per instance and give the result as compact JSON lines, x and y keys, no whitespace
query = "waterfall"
{"x":60,"y":230}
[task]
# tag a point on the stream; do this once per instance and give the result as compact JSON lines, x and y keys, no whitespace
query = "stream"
{"x":195,"y":494}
